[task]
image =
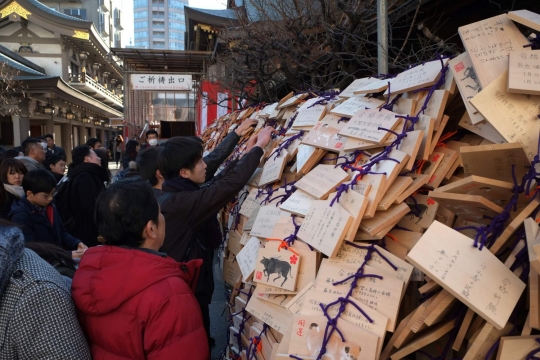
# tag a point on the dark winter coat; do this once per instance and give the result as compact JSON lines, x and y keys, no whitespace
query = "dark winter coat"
{"x":135,"y":304}
{"x":56,"y":151}
{"x":37,"y":316}
{"x":38,"y":227}
{"x":5,"y":209}
{"x":190,"y":213}
{"x":127,"y":159}
{"x":221,"y":152}
{"x":87,"y":182}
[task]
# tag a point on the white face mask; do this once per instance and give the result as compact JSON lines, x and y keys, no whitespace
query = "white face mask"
{"x":153,"y":142}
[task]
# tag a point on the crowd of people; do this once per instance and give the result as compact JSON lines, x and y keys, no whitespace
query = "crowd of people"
{"x":114,"y":268}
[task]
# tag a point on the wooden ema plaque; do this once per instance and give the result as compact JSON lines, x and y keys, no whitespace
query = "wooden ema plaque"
{"x":498,"y":192}
{"x":524,"y":72}
{"x":325,"y":226}
{"x":355,"y":103}
{"x":308,"y":334}
{"x":247,"y":257}
{"x":396,"y":189}
{"x":365,"y":124}
{"x":384,"y":218}
{"x":355,"y":204}
{"x":250,"y":204}
{"x":309,"y":114}
{"x":525,"y":17}
{"x":273,"y":315}
{"x":469,"y":207}
{"x":515,"y":116}
{"x":306,"y":271}
{"x":314,"y":298}
{"x":273,"y":168}
{"x":374,"y":87}
{"x":483,"y":129}
{"x":277,"y":268}
{"x":292,"y":100}
{"x":357,"y":84}
{"x":488,"y":43}
{"x":298,"y":203}
{"x":463,"y":70}
{"x":382,"y":295}
{"x":422,"y":213}
{"x":420,"y":76}
{"x":477,"y":278}
{"x":495,"y":161}
{"x":325,"y":136}
{"x":322,"y":180}
{"x":267,"y":218}
{"x":354,"y":256}
{"x":516,"y":347}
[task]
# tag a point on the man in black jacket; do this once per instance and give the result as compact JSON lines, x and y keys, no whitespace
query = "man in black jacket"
{"x":190,"y":211}
{"x":86,"y":180}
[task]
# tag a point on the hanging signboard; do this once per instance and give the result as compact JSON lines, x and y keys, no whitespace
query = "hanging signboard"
{"x":161,"y":82}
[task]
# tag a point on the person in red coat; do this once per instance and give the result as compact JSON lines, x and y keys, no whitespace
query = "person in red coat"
{"x":134,"y":302}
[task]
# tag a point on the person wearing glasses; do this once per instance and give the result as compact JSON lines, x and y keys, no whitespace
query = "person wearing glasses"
{"x":38,"y":216}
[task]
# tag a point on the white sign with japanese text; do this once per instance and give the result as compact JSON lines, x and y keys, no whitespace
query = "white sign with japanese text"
{"x":161,"y":82}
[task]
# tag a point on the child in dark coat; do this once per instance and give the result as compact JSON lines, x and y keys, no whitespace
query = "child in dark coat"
{"x":38,"y":216}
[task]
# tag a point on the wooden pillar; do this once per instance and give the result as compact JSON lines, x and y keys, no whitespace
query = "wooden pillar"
{"x":197,"y":38}
{"x":49,"y":125}
{"x":67,"y":140}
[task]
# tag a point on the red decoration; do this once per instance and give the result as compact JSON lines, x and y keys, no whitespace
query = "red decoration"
{"x":293,"y":259}
{"x":430,"y":201}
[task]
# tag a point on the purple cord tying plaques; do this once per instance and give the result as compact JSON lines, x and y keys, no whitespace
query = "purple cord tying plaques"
{"x":531,"y":355}
{"x":331,"y":324}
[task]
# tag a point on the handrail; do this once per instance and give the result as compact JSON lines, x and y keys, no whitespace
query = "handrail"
{"x":96,"y":85}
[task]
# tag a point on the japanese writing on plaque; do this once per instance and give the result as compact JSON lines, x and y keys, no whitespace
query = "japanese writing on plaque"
{"x":524,"y":72}
{"x":366,"y":124}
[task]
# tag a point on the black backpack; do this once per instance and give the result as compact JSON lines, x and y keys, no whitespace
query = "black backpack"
{"x":61,"y":201}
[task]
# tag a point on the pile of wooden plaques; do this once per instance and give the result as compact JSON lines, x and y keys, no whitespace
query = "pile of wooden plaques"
{"x":373,"y":230}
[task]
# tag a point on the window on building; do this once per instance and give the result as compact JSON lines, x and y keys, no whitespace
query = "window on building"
{"x":140,"y":14}
{"x":176,"y":16}
{"x":142,"y":44}
{"x":159,"y":34}
{"x":176,"y":35}
{"x":158,"y":24}
{"x":79,"y":13}
{"x":158,"y":2}
{"x":177,"y":26}
{"x":158,"y":14}
{"x":141,"y":35}
{"x":176,"y":4}
{"x":141,"y":25}
{"x":140,"y":3}
{"x":173,"y":45}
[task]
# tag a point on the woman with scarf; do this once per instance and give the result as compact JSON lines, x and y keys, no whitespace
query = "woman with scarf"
{"x":12,"y":172}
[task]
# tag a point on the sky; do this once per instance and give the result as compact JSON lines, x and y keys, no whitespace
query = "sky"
{"x":208,"y":4}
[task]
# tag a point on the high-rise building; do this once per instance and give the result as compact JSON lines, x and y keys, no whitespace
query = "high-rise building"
{"x":159,"y":24}
{"x":110,"y":17}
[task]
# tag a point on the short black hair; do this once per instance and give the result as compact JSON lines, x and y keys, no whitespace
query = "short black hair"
{"x":147,"y":162}
{"x":92,"y":142}
{"x":179,"y":153}
{"x":150,"y":132}
{"x":11,"y":164}
{"x":79,"y":153}
{"x":39,"y":180}
{"x":122,"y":217}
{"x":53,"y":160}
{"x":10,"y":154}
{"x":28,"y":144}
{"x":48,"y":136}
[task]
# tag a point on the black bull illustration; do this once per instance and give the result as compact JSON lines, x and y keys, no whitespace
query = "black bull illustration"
{"x":280,"y":267}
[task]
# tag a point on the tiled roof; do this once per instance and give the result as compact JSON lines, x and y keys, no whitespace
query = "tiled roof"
{"x":17,"y":65}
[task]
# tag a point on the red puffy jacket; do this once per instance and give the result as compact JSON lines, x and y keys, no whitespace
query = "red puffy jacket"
{"x":137,"y":305}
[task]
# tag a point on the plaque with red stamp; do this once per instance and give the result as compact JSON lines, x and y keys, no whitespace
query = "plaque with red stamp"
{"x":278,"y":268}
